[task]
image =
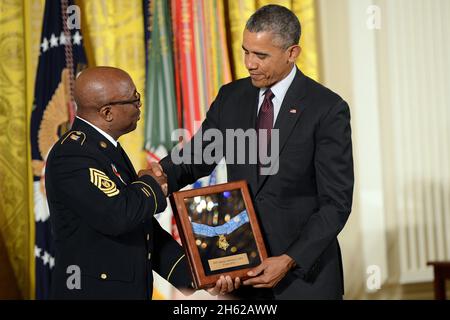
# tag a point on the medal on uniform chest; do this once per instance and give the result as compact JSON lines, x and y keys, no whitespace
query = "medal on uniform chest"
{"x":114,"y":169}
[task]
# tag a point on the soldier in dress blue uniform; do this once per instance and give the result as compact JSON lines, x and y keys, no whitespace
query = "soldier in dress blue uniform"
{"x":101,"y":210}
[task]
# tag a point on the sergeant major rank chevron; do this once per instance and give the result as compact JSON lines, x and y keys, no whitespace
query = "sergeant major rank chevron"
{"x":103,"y":182}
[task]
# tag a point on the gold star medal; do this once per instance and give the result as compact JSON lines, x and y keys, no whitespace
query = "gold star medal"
{"x":223,"y":243}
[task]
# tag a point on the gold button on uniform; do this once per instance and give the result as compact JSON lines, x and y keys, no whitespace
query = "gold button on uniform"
{"x":148,"y":236}
{"x":103,"y":276}
{"x":149,"y":255}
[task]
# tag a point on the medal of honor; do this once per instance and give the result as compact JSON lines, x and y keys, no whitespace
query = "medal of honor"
{"x":221,"y":231}
{"x":223,"y":243}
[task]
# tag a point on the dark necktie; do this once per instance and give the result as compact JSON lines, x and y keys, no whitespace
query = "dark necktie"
{"x":265,"y":121}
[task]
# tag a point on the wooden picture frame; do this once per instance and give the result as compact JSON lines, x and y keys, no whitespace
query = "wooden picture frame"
{"x":219,"y":231}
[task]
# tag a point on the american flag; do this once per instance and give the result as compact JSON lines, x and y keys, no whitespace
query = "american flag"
{"x":61,"y":57}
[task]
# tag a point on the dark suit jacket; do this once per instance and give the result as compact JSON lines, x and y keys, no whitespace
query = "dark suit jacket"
{"x":103,"y":225}
{"x":304,"y":206}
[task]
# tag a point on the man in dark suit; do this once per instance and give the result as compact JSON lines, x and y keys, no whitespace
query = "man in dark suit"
{"x":305,"y":200}
{"x":106,"y":238}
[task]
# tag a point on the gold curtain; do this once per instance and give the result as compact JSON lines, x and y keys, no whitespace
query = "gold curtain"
{"x":18,"y":59}
{"x":113,"y":32}
{"x":239,"y":12}
{"x":308,"y":61}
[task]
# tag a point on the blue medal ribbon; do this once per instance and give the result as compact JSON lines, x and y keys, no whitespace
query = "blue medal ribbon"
{"x":226,"y":228}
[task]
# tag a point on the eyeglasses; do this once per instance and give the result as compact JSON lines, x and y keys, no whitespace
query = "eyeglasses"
{"x":136,"y":102}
